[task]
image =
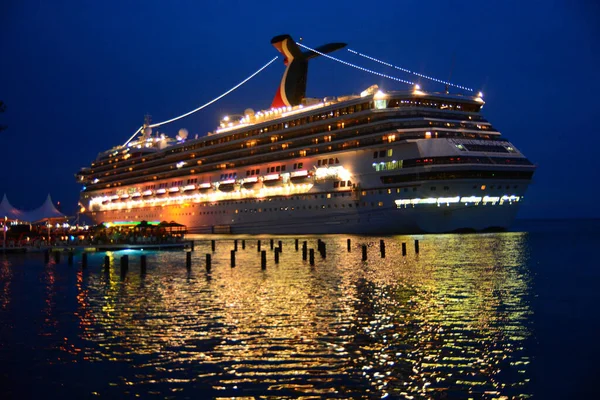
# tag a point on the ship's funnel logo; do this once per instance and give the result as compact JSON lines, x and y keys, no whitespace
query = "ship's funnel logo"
{"x":293,"y":84}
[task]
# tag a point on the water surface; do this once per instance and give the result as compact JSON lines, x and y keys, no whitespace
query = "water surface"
{"x":472,"y":315}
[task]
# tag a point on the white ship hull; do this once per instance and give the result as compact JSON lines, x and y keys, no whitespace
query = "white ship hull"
{"x":379,"y":163}
{"x":346,"y":212}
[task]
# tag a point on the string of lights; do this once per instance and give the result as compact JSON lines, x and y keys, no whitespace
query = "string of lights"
{"x":409,"y":71}
{"x":355,"y":66}
{"x":206,"y":104}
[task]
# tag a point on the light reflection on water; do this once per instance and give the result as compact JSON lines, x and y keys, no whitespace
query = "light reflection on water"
{"x":451,"y":321}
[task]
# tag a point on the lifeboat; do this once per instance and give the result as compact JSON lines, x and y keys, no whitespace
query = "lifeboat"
{"x":227,"y":186}
{"x":161,"y":192}
{"x":299,"y":177}
{"x":189,"y":187}
{"x":136,"y":195}
{"x":205,"y":187}
{"x":173,"y":191}
{"x":250,"y":183}
{"x":147,"y":193}
{"x":272,"y":180}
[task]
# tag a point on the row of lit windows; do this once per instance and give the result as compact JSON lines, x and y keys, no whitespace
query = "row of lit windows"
{"x":392,"y":103}
{"x":341,"y":184}
{"x":429,"y":103}
{"x":231,"y":175}
{"x":301,"y":143}
{"x":323,"y":196}
{"x":313,"y":131}
{"x":382,"y":153}
{"x":309,"y":207}
{"x":388,"y":165}
{"x":488,"y":148}
{"x":328,"y":161}
{"x":278,"y":168}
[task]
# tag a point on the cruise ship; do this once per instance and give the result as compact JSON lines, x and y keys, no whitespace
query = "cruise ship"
{"x":378,"y":162}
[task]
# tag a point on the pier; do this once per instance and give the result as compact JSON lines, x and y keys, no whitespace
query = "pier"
{"x":183,"y":245}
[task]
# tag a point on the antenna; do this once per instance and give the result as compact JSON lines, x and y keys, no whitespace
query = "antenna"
{"x":450,"y":74}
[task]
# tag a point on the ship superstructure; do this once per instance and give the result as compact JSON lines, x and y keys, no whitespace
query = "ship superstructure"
{"x":379,"y":162}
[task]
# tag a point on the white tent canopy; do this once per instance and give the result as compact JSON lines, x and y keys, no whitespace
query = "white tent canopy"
{"x":8,"y":211}
{"x":45,"y":212}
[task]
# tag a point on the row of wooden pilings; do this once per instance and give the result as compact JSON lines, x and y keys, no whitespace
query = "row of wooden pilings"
{"x":307,"y":254}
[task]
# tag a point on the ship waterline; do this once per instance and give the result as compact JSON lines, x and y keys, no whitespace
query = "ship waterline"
{"x":379,"y":162}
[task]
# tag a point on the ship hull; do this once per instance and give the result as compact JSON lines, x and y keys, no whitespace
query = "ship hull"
{"x":352,"y":212}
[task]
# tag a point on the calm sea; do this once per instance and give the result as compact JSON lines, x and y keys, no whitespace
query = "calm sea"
{"x":498,"y":315}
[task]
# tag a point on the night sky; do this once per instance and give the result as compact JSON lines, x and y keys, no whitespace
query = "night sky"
{"x":78,"y":77}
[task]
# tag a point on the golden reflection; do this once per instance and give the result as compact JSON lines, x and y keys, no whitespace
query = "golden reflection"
{"x":50,"y":324}
{"x":6,"y":275}
{"x":453,"y":319}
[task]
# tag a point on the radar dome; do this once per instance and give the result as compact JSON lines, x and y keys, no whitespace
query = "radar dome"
{"x":183,"y":133}
{"x":248,"y":112}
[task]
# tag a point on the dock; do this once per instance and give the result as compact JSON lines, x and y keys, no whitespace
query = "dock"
{"x":187,"y":244}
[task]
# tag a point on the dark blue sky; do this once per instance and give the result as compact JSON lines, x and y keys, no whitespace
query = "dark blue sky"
{"x":78,"y":77}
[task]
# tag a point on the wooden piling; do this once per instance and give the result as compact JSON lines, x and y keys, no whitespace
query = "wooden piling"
{"x":277,"y":256}
{"x":208,"y":262}
{"x":417,"y":246}
{"x":323,"y":250}
{"x":263,"y":259}
{"x":364,"y":252}
{"x":403,"y":249}
{"x":143,"y":264}
{"x":212,"y":245}
{"x":235,"y":244}
{"x":312,"y":257}
{"x":243,"y":244}
{"x":296,"y":244}
{"x":232,"y":258}
{"x":258,"y":246}
{"x":271,"y":244}
{"x":192,"y":245}
{"x":349,"y":245}
{"x":280,"y":246}
{"x":124,"y":265}
{"x":188,"y":260}
{"x":304,"y":251}
{"x":382,"y":248}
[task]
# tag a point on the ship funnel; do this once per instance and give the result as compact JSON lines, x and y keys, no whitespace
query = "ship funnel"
{"x":293,"y":84}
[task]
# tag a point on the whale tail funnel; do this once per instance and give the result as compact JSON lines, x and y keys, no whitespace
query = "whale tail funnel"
{"x":292,"y":89}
